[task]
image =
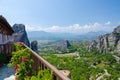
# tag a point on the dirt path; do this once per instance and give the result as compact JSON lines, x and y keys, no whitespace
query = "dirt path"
{"x":67,"y":54}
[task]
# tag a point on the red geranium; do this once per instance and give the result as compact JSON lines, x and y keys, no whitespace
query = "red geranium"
{"x":24,"y":59}
{"x":16,"y":68}
{"x":20,"y":42}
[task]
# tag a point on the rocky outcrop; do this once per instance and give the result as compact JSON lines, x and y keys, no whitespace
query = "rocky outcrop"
{"x":108,"y":42}
{"x":66,"y":44}
{"x":92,"y":45}
{"x":20,"y":34}
{"x":34,"y":46}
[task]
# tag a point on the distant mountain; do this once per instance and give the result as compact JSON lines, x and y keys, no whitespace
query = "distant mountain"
{"x":37,"y":34}
{"x":91,"y":35}
{"x":96,"y":33}
{"x":42,"y":35}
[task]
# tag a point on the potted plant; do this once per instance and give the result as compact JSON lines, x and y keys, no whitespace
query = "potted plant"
{"x":2,"y":59}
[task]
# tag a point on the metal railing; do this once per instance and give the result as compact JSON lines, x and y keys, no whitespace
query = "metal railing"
{"x":41,"y":63}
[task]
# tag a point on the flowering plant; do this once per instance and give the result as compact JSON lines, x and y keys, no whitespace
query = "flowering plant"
{"x":18,"y":55}
{"x":24,"y":59}
{"x":25,"y":68}
{"x":16,"y":68}
{"x":21,"y":61}
{"x":18,"y":46}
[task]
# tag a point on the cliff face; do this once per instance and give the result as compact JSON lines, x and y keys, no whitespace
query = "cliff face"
{"x":66,"y":44}
{"x":34,"y":46}
{"x":108,"y":42}
{"x":20,"y":34}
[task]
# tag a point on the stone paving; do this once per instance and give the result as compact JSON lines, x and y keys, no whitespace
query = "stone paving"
{"x":7,"y":73}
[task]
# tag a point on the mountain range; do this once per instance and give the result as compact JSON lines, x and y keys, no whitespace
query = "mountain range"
{"x":42,"y":35}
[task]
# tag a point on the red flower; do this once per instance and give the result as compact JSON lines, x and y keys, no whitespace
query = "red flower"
{"x":16,"y":68}
{"x":24,"y":59}
{"x":20,"y":42}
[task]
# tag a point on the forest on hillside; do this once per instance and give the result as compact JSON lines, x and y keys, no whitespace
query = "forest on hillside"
{"x":85,"y":65}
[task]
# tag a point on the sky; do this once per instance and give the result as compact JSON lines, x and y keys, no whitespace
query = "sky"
{"x":68,"y":16}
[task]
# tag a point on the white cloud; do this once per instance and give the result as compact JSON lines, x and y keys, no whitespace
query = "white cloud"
{"x":75,"y":28}
{"x":108,"y":23}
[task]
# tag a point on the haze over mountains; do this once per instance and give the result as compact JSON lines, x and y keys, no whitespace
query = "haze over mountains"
{"x":42,"y":35}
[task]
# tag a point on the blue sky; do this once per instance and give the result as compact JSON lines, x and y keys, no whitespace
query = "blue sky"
{"x":76,"y":16}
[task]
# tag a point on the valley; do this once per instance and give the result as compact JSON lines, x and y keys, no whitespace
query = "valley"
{"x":84,"y":58}
{"x":82,"y":64}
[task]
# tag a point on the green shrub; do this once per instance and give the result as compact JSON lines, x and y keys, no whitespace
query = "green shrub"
{"x":2,"y":58}
{"x":45,"y":74}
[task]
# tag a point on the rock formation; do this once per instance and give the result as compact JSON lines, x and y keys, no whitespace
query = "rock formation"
{"x":34,"y":46}
{"x":66,"y":44}
{"x":108,"y":42}
{"x":92,"y":45}
{"x":20,"y":34}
